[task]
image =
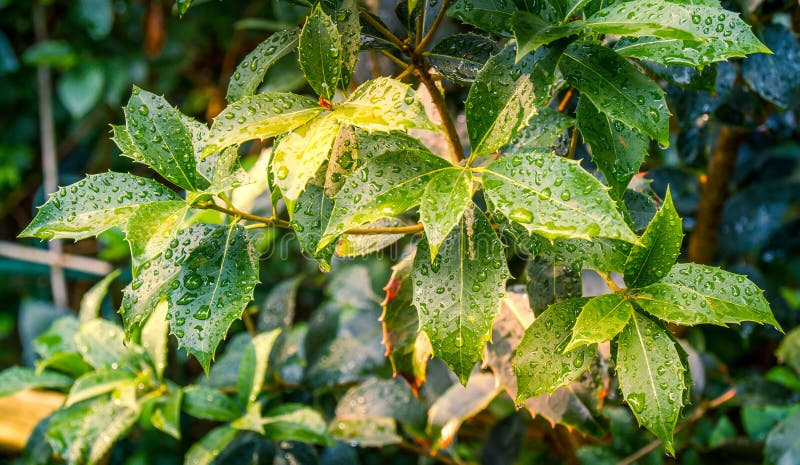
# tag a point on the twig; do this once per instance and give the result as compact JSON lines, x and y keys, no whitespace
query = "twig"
{"x":406,"y":72}
{"x":402,"y":64}
{"x":410,"y":229}
{"x":696,"y":415}
{"x":610,"y":283}
{"x":233,"y":211}
{"x":573,"y":143}
{"x":565,"y":101}
{"x":444,"y":113}
{"x":435,"y":25}
{"x":47,"y":135}
{"x":380,"y":28}
{"x":72,"y":262}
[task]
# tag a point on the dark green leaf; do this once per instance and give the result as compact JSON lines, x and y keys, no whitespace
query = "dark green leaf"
{"x":679,"y":52}
{"x":259,"y":116}
{"x":253,"y":367}
{"x":458,"y":293}
{"x":57,"y":348}
{"x":93,"y":205}
{"x":531,"y":31}
{"x":18,"y":378}
{"x":642,"y":208}
{"x":541,"y":365}
{"x":383,"y":104}
{"x":601,"y":319}
{"x":296,"y":422}
{"x":166,"y":416}
{"x":377,"y":398}
{"x":209,"y":404}
{"x":616,"y":149}
{"x":548,"y":283}
{"x":651,"y":376}
{"x":50,"y":53}
{"x":541,"y":132}
{"x":97,"y":16}
{"x":204,"y":451}
{"x":446,"y":197}
{"x":251,"y":71}
{"x":311,"y":214}
{"x":617,"y":88}
{"x":490,"y":15}
{"x":349,"y":26}
{"x":553,"y":197}
{"x":183,"y":6}
{"x":320,"y":51}
{"x":660,"y":247}
{"x":692,"y":294}
{"x":459,"y":57}
{"x":782,"y":446}
{"x":776,"y":77}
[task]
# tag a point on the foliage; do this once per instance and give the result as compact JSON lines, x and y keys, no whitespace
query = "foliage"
{"x":349,"y":172}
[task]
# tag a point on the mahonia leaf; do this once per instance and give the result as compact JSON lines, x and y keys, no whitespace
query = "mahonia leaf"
{"x":299,"y":155}
{"x":383,"y":104}
{"x":660,"y":247}
{"x":616,"y":149}
{"x":532,"y":31}
{"x":693,"y":294}
{"x":95,"y":204}
{"x":458,"y":294}
{"x":541,"y":132}
{"x":259,"y":116}
{"x":554,"y":197}
{"x":162,"y":139}
{"x":207,"y":274}
{"x":311,"y":213}
{"x":384,"y":186}
{"x":349,"y":26}
{"x":446,"y":197}
{"x":489,"y":15}
{"x":541,"y":364}
{"x":617,"y":88}
{"x":549,"y":283}
{"x":153,"y":226}
{"x":601,"y":319}
{"x":459,"y":57}
{"x":251,"y":71}
{"x":320,"y":53}
{"x":651,"y":376}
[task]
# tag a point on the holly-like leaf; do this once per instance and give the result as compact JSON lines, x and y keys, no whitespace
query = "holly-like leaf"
{"x":489,"y":15}
{"x":320,"y":53}
{"x":446,"y":197}
{"x":541,"y":364}
{"x":253,"y":366}
{"x":553,"y":197}
{"x":660,"y":247}
{"x":296,"y":422}
{"x":383,"y":104}
{"x":18,"y":378}
{"x":541,"y":132}
{"x":311,"y":214}
{"x":616,"y":149}
{"x":96,"y":383}
{"x":349,"y":26}
{"x":505,"y":95}
{"x":459,"y":57}
{"x":259,"y":116}
{"x":384,"y":186}
{"x":251,"y":71}
{"x":458,"y":294}
{"x":532,"y":31}
{"x":651,"y":376}
{"x":209,"y":404}
{"x":549,"y":283}
{"x":93,"y":205}
{"x":153,"y":226}
{"x":617,"y":88}
{"x":776,"y":77}
{"x":207,"y":274}
{"x":204,"y":451}
{"x":693,"y":294}
{"x":601,"y":319}
{"x":676,"y":51}
{"x":299,"y":155}
{"x":162,"y":139}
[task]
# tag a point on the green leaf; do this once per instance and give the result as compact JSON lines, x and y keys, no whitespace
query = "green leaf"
{"x":18,"y":378}
{"x":459,"y":57}
{"x":383,"y":398}
{"x":541,"y":132}
{"x":383,"y":104}
{"x":97,"y":16}
{"x":788,"y":351}
{"x":617,"y":88}
{"x":541,"y":365}
{"x":80,"y":88}
{"x":357,"y":245}
{"x":670,"y":20}
{"x":366,"y":432}
{"x":253,"y":366}
{"x":782,"y":445}
{"x":166,"y":416}
{"x":677,"y":52}
{"x":349,"y":26}
{"x":259,"y":116}
{"x":553,"y":197}
{"x":776,"y":77}
{"x":221,"y":169}
{"x":616,"y":149}
{"x":296,"y":422}
{"x":651,"y":376}
{"x":164,"y":142}
{"x":96,"y":383}
{"x":204,"y":451}
{"x":153,"y":226}
{"x":101,"y":343}
{"x":444,"y":200}
{"x":251,"y":71}
{"x":489,"y":15}
{"x":384,"y":186}
{"x":531,"y":31}
{"x":92,"y":300}
{"x":458,"y":293}
{"x":458,"y":404}
{"x":601,"y":319}
{"x":183,"y":6}
{"x":505,"y":95}
{"x":154,"y":338}
{"x":311,"y":214}
{"x":661,"y":245}
{"x":207,"y":274}
{"x":299,"y":155}
{"x":693,"y":294}
{"x":57,"y":348}
{"x":548,"y":283}
{"x":320,"y":53}
{"x":93,"y":205}
{"x":209,"y":404}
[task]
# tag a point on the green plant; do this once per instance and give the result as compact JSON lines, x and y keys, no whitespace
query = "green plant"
{"x":354,"y":179}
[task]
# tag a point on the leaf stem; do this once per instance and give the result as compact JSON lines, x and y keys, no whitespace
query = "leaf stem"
{"x":233,"y":211}
{"x":441,"y":107}
{"x":406,"y":72}
{"x":573,"y":143}
{"x":565,"y":101}
{"x":611,"y":284}
{"x":435,"y":25}
{"x":394,"y":59}
{"x":382,"y":29}
{"x":410,"y":229}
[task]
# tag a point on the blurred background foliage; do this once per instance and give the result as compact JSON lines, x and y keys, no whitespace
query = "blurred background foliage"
{"x":742,"y":115}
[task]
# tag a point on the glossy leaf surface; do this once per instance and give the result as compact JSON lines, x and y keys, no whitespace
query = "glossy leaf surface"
{"x":320,"y":53}
{"x":446,"y":197}
{"x":249,"y":74}
{"x":661,"y":245}
{"x":600,"y":320}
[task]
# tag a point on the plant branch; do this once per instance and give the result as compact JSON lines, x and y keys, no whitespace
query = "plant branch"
{"x":382,"y":29}
{"x":434,"y":26}
{"x":406,"y":72}
{"x":410,"y":229}
{"x":573,"y":143}
{"x":611,"y":284}
{"x":565,"y":101}
{"x":441,"y":107}
{"x":233,"y":211}
{"x":696,"y":415}
{"x":402,"y":64}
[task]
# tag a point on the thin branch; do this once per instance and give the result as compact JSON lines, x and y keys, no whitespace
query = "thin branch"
{"x":410,"y":229}
{"x":696,"y":415}
{"x":394,"y":59}
{"x":406,"y":72}
{"x":565,"y":101}
{"x":573,"y":143}
{"x":444,"y":113}
{"x":434,"y":26}
{"x":233,"y":211}
{"x":382,"y":29}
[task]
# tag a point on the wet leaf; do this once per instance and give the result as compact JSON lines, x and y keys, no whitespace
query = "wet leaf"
{"x":56,"y":348}
{"x":541,"y":132}
{"x":102,"y":345}
{"x":382,"y":398}
{"x":18,"y":378}
{"x":92,"y":300}
{"x":366,"y":432}
{"x":253,"y":366}
{"x":96,"y":383}
{"x":444,"y":200}
{"x":553,"y":197}
{"x":782,"y":445}
{"x":489,"y":15}
{"x":154,"y":338}
{"x":166,"y":416}
{"x":311,"y":214}
{"x":296,"y":422}
{"x":548,"y":283}
{"x":532,"y":31}
{"x":153,"y":226}
{"x":250,"y":72}
{"x":776,"y":77}
{"x":601,"y":319}
{"x":204,"y":451}
{"x":209,"y":404}
{"x":651,"y":376}
{"x":320,"y":53}
{"x":95,"y":204}
{"x":458,"y":293}
{"x":459,"y":57}
{"x":356,"y":245}
{"x":383,"y":104}
{"x":349,"y":26}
